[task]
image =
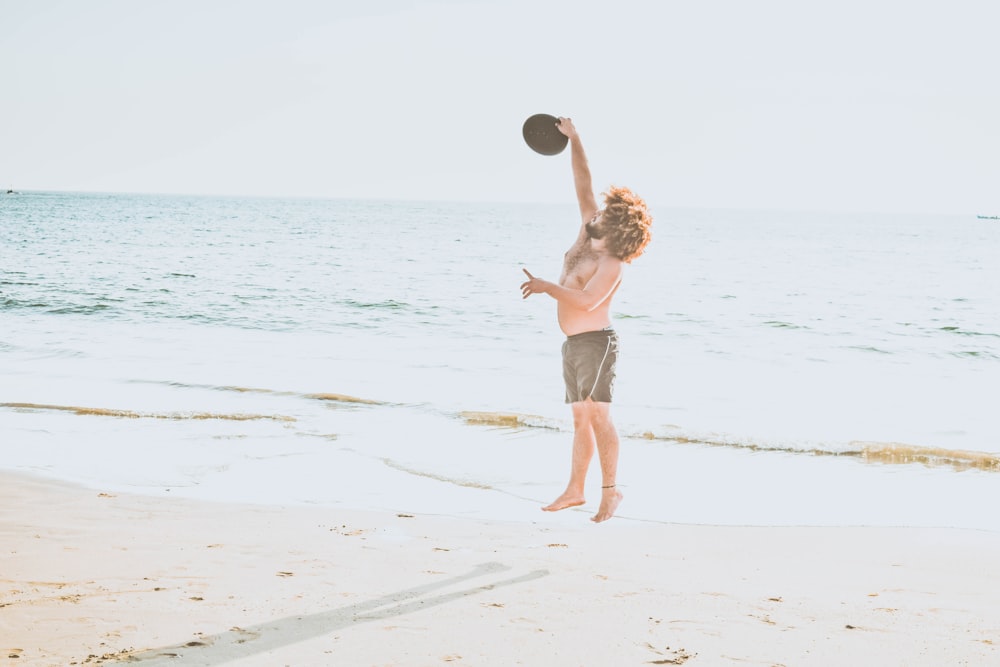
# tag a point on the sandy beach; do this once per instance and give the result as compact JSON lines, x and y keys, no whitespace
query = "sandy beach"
{"x":291,"y":299}
{"x":88,"y":577}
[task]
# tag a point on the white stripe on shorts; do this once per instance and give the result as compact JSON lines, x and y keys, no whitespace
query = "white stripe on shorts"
{"x":600,"y":369}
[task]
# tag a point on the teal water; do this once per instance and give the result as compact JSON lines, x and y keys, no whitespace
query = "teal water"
{"x":777,"y":367}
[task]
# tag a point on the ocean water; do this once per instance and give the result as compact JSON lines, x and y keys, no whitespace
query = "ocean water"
{"x":777,"y":367}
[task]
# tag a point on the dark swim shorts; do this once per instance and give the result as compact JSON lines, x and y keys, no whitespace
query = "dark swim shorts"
{"x":589,"y":361}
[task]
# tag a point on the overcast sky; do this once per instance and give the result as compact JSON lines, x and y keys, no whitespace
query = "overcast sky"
{"x":842,"y":105}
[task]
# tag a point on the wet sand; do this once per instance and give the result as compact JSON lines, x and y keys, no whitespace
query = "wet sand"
{"x":88,"y":577}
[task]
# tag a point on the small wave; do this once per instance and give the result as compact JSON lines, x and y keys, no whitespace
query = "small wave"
{"x":777,"y":324}
{"x":974,"y":354}
{"x":341,"y":398}
{"x":395,"y":465}
{"x":504,"y":420}
{"x":867,"y":348}
{"x":961,"y":332}
{"x":389,"y":304}
{"x":79,"y":309}
{"x":869,"y":452}
{"x":131,"y":414}
{"x":739,"y":444}
{"x":9,"y":303}
{"x":894,"y":452}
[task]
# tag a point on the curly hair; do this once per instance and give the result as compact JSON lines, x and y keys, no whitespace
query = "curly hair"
{"x":627,"y":221}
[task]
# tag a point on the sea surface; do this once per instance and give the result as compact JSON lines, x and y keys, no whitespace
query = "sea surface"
{"x":777,"y":368}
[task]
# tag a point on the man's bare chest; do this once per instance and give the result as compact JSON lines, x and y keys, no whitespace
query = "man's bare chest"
{"x":579,"y":265}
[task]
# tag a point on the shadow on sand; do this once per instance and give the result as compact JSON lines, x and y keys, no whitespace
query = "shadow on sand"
{"x":244,"y":642}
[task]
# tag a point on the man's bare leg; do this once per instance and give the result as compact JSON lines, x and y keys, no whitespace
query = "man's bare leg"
{"x":584,"y":442}
{"x":607,"y":452}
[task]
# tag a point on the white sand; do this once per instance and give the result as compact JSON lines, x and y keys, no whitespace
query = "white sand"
{"x":87,"y":577}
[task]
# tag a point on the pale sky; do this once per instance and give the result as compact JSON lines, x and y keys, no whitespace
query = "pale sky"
{"x":840,"y":105}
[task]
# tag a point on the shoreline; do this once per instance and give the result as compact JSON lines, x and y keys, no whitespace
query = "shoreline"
{"x":94,"y":577}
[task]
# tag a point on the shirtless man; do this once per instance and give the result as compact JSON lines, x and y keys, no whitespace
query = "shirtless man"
{"x":609,"y":238}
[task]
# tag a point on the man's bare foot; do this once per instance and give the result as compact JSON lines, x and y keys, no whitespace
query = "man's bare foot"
{"x":610,"y":500}
{"x":567,"y":499}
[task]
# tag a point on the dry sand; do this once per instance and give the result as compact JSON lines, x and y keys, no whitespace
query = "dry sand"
{"x":88,"y":577}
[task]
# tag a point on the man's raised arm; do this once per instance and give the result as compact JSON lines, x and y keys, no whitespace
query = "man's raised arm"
{"x":581,"y":171}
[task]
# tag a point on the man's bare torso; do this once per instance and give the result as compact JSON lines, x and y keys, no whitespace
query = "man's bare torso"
{"x":579,"y":265}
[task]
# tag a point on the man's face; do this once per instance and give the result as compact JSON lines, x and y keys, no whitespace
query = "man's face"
{"x":595,"y":228}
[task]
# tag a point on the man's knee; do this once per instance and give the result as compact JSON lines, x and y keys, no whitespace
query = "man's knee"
{"x":591,"y":412}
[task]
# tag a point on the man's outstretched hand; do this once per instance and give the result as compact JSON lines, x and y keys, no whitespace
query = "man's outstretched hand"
{"x":533,"y":285}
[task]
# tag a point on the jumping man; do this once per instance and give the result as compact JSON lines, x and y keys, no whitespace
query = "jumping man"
{"x":609,"y":238}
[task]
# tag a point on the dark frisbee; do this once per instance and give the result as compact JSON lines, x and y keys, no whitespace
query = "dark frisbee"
{"x":542,"y":136}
